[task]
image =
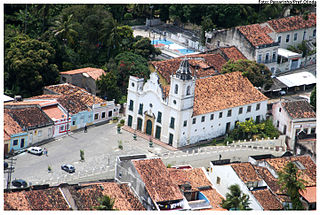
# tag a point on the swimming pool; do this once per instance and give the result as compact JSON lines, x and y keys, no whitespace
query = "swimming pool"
{"x":172,"y":46}
{"x":165,"y":42}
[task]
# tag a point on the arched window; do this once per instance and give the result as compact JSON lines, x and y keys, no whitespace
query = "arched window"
{"x":176,"y":89}
{"x":188,"y":90}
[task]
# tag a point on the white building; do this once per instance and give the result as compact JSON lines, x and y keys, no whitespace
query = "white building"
{"x":190,"y":110}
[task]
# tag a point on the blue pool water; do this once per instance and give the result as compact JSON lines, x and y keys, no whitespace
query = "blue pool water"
{"x":186,"y":51}
{"x":156,"y":42}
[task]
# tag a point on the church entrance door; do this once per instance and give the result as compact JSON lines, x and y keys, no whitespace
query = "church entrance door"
{"x":149,"y":127}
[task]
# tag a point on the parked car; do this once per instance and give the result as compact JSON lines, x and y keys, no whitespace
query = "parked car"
{"x":19,"y":183}
{"x":35,"y":150}
{"x":68,"y":168}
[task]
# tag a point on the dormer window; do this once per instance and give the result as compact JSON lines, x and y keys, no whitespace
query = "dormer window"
{"x":176,"y":89}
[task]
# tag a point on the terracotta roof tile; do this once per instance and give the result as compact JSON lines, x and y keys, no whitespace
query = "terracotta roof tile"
{"x":267,"y":200}
{"x":246,"y":172}
{"x":271,"y":181}
{"x":10,"y":126}
{"x":196,"y":178}
{"x":86,"y":197}
{"x":94,"y":73}
{"x":157,"y":180}
{"x":256,"y":34}
{"x":47,"y":199}
{"x":233,"y":53}
{"x":30,"y":117}
{"x":54,"y":112}
{"x":292,"y":23}
{"x":310,"y":194}
{"x":16,"y":201}
{"x":299,"y":109}
{"x":224,"y":91}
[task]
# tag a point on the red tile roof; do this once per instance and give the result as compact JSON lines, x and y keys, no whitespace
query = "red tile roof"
{"x":54,"y":112}
{"x":299,"y":109}
{"x":224,"y":91}
{"x":310,"y":194}
{"x":256,"y":34}
{"x":157,"y":180}
{"x":16,"y":201}
{"x":233,"y":53}
{"x":86,"y":197}
{"x":94,"y":73}
{"x":10,"y":125}
{"x":267,"y":200}
{"x":271,"y":181}
{"x":292,"y":23}
{"x":47,"y":199}
{"x":196,"y":178}
{"x":246,"y":172}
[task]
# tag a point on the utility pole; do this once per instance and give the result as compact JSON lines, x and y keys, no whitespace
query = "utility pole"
{"x":9,"y":171}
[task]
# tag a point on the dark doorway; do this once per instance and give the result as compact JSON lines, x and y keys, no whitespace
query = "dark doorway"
{"x":158,"y":132}
{"x":22,"y":143}
{"x":170,"y":139}
{"x":139,"y":126}
{"x":228,"y":127}
{"x":129,"y":120}
{"x":149,"y":127}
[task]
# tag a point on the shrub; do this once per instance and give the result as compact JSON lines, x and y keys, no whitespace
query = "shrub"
{"x":81,"y":155}
{"x":120,"y":146}
{"x":122,"y":121}
{"x":115,"y":118}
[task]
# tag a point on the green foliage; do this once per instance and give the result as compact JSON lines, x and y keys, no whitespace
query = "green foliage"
{"x":122,"y":121}
{"x":81,"y":155}
{"x":313,"y":98}
{"x":144,"y":48}
{"x":28,"y":65}
{"x":235,"y":199}
{"x":107,"y":84}
{"x":169,"y":165}
{"x":258,"y":74}
{"x":106,"y":203}
{"x":291,"y":183}
{"x":49,"y":169}
{"x":251,"y":130}
{"x":300,"y":48}
{"x":120,"y":146}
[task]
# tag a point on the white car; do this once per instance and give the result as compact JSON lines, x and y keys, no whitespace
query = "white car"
{"x":35,"y":150}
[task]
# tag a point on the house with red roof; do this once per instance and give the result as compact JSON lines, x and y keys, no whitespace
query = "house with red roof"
{"x":85,"y":78}
{"x":192,"y":109}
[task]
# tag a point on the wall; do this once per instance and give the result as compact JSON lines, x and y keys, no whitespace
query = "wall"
{"x":40,"y":134}
{"x":107,"y":108}
{"x":80,"y":80}
{"x":18,"y":137}
{"x":228,"y":177}
{"x":81,"y":119}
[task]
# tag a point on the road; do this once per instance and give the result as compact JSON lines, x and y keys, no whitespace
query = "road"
{"x":100,"y":147}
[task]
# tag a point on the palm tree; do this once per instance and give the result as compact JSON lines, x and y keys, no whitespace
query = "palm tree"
{"x":291,"y":184}
{"x":106,"y":203}
{"x":64,"y":28}
{"x":236,"y":200}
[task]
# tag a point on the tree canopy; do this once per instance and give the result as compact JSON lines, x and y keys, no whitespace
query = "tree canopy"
{"x":258,"y":74}
{"x":235,"y":199}
{"x":106,"y":203}
{"x":313,"y":98}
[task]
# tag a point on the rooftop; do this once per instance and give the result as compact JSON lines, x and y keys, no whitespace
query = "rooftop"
{"x":54,"y":112}
{"x":233,"y":53}
{"x":10,"y":125}
{"x":224,"y":91}
{"x":246,"y":172}
{"x":267,"y":200}
{"x":157,"y":180}
{"x":297,"y":79}
{"x":310,"y":194}
{"x":271,"y":181}
{"x":299,"y":109}
{"x":94,"y":73}
{"x":256,"y":34}
{"x":292,"y":23}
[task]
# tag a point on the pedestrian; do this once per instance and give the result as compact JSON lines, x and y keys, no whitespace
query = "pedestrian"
{"x":45,"y":151}
{"x":220,"y":157}
{"x":85,"y":129}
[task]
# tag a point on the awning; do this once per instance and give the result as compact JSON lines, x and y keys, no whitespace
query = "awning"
{"x":297,"y":79}
{"x":288,"y":54}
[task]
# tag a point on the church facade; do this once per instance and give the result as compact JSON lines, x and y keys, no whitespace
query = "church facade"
{"x":190,"y":110}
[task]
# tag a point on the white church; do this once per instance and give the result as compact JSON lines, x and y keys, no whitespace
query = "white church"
{"x":189,"y":109}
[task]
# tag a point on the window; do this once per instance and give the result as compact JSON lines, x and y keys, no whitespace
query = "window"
{"x":73,"y":122}
{"x":267,"y":58}
{"x":258,"y":107}
{"x":257,"y":119}
{"x":176,"y":89}
{"x":285,"y":129}
{"x":304,"y":35}
{"x":220,"y":115}
{"x":240,"y":110}
{"x":218,"y":180}
{"x":131,"y":105}
{"x":22,"y":143}
{"x":203,"y":118}
{"x":15,"y":142}
{"x":185,"y":123}
{"x":314,"y":32}
{"x":229,"y":113}
{"x":287,"y":38}
{"x":259,"y":58}
{"x":279,"y":39}
{"x":274,"y":57}
{"x":174,"y":102}
{"x":211,"y":116}
{"x":150,"y":105}
{"x":295,"y":36}
{"x":278,"y":123}
{"x":61,"y":128}
{"x":194,"y":120}
{"x":188,"y":90}
{"x":249,"y":109}
{"x":236,"y":123}
{"x":96,"y":116}
{"x":140,"y":109}
{"x":110,"y":114}
{"x":103,"y":115}
{"x":159,"y":117}
{"x":39,"y":133}
{"x":279,"y":109}
{"x":247,"y":119}
{"x":313,"y":130}
{"x":172,"y":123}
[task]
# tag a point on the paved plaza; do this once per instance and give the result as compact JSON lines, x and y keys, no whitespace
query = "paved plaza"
{"x":100,"y":146}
